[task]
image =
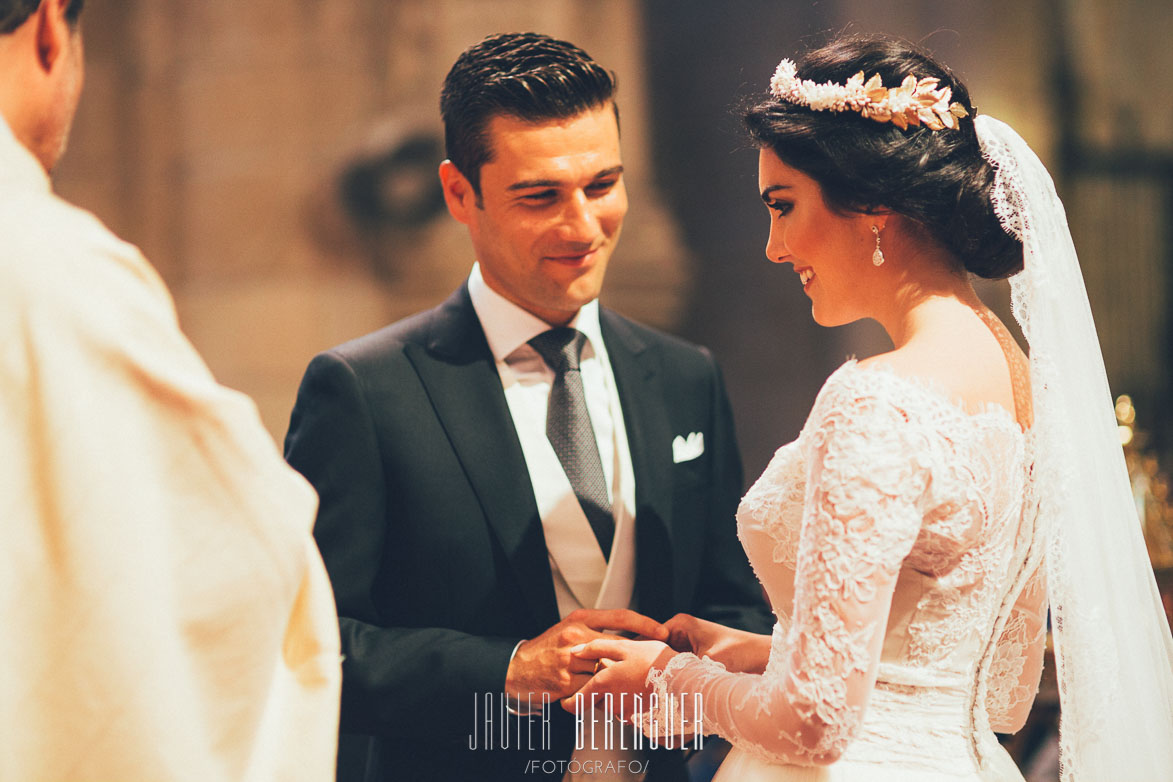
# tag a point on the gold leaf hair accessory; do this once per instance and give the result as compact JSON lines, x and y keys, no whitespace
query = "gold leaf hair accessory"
{"x":915,"y":102}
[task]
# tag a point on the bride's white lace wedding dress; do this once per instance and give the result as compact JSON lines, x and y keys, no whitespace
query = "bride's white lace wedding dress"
{"x":895,"y":539}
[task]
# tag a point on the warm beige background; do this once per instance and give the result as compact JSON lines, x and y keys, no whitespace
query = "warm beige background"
{"x":213,"y":133}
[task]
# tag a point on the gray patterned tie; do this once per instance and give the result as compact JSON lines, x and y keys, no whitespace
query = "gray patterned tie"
{"x":568,"y":427}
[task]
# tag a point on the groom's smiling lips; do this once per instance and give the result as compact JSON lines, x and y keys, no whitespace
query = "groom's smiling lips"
{"x":583,"y":258}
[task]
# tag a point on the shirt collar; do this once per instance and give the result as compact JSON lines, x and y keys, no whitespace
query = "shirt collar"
{"x":17,"y":164}
{"x":507,"y":326}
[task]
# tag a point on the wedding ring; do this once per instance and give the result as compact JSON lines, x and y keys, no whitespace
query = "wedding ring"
{"x":598,"y":667}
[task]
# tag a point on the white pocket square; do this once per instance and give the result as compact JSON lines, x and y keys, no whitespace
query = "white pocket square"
{"x":687,"y":449}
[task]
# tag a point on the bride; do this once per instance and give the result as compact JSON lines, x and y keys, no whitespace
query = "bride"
{"x":940,"y":496}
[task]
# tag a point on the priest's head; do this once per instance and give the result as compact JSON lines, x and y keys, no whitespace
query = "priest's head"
{"x":41,"y":72}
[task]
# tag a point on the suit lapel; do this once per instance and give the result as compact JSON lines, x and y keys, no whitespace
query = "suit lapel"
{"x":461,"y":379}
{"x":638,"y":378}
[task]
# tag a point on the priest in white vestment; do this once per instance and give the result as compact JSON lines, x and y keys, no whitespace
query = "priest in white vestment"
{"x":164,"y":612}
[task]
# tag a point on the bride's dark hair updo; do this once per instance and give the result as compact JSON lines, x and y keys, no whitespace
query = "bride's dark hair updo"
{"x":937,"y":178}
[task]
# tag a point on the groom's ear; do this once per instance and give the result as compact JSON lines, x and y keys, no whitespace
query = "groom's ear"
{"x":459,"y":194}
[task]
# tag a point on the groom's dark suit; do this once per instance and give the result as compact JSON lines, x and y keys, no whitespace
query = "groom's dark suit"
{"x":432,"y":537}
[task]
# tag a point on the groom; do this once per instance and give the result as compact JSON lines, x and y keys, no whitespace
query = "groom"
{"x":518,"y":470}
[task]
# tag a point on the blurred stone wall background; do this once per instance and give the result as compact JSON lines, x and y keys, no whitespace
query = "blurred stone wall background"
{"x":226,"y":138}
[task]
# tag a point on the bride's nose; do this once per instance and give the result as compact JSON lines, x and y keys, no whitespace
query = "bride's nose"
{"x":776,"y":250}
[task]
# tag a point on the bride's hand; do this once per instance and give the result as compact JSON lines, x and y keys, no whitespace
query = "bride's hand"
{"x":737,"y":650}
{"x":623,"y":668}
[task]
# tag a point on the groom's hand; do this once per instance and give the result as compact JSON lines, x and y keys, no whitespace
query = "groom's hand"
{"x":544,"y":665}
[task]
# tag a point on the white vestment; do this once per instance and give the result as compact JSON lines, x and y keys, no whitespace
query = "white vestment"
{"x":165,"y":613}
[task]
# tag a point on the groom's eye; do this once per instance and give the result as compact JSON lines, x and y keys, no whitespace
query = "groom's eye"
{"x":601,"y":187}
{"x":540,"y":196}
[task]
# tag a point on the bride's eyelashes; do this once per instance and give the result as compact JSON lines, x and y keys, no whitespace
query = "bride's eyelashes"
{"x":780,"y":208}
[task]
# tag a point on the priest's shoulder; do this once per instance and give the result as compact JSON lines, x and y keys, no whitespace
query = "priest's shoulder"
{"x":50,"y":248}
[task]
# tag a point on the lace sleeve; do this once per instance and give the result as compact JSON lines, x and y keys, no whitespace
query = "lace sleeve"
{"x":860,"y":520}
{"x":1018,"y":658}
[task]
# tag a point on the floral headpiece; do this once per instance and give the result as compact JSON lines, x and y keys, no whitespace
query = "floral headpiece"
{"x":915,"y":102}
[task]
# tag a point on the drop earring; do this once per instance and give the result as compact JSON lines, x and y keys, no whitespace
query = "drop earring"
{"x":878,"y":255}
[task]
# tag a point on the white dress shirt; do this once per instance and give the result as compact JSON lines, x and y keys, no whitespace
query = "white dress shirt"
{"x":583,"y":578}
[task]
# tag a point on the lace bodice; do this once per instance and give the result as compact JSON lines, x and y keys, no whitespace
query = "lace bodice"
{"x":890,"y":540}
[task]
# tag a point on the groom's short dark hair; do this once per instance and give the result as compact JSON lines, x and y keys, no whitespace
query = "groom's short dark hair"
{"x":526,"y":75}
{"x":14,"y":13}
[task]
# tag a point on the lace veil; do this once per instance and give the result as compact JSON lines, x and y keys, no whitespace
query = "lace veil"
{"x":1113,"y":649}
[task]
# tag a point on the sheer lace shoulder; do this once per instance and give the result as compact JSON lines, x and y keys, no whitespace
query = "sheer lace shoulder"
{"x":932,"y":403}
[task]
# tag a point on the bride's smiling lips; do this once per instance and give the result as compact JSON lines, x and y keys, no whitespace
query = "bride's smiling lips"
{"x":805,"y":275}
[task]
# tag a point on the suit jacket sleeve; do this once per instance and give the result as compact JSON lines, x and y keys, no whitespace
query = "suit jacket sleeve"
{"x":406,"y":681}
{"x":727,"y":590}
